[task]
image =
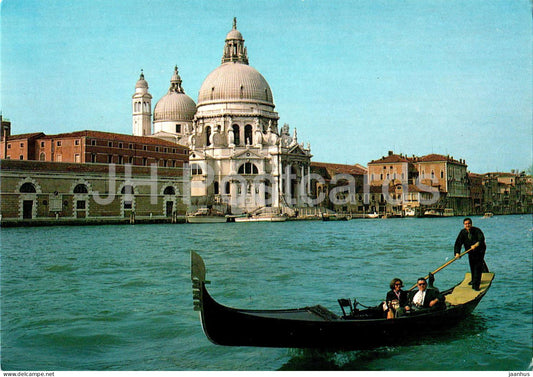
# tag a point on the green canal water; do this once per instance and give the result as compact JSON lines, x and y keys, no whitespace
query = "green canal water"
{"x":119,"y":297}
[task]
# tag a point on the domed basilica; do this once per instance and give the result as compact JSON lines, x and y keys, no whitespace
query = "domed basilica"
{"x":239,"y":155}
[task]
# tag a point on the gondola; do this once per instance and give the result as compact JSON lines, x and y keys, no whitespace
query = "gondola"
{"x":318,"y":327}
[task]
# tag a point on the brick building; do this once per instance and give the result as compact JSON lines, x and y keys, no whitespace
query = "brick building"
{"x":93,"y":147}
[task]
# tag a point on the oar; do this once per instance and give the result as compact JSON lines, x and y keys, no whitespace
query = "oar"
{"x":444,"y":265}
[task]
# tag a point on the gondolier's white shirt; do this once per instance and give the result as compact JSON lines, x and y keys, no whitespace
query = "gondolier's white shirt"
{"x":418,"y":300}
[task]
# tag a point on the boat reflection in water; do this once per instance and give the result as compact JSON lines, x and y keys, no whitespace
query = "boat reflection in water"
{"x":318,"y":327}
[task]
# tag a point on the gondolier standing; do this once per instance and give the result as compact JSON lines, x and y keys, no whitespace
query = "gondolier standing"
{"x":472,"y":238}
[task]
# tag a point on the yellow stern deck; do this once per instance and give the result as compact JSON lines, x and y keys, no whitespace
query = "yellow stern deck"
{"x":464,"y":293}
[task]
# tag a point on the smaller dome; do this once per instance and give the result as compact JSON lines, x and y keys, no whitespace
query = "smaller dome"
{"x":175,"y":105}
{"x":234,"y":34}
{"x":141,"y":83}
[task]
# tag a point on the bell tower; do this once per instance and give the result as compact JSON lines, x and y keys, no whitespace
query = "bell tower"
{"x":141,"y":108}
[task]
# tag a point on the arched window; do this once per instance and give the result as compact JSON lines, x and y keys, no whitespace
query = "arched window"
{"x":248,"y":134}
{"x":196,"y":169}
{"x":81,"y":189}
{"x":228,"y":188}
{"x":127,"y":190}
{"x":207,"y":136}
{"x":215,"y":188}
{"x":236,"y":134}
{"x":42,"y":157}
{"x":248,"y":168}
{"x":28,"y":188}
{"x":169,"y":190}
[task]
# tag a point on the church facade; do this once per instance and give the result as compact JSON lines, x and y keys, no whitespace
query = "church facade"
{"x":240,"y":156}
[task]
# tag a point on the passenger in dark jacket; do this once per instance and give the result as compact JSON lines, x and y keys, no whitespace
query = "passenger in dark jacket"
{"x":424,"y":297}
{"x":398,"y":295}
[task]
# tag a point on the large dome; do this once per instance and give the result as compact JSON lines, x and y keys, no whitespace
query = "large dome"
{"x":235,"y":82}
{"x":175,"y":105}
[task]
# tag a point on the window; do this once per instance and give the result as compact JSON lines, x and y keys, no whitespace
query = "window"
{"x":110,"y":144}
{"x":145,"y":147}
{"x":58,"y":143}
{"x":109,"y":159}
{"x":42,"y":144}
{"x":80,"y":189}
{"x":27,"y":187}
{"x":248,"y":168}
{"x":165,"y":150}
{"x":236,"y":134}
{"x":121,"y":160}
{"x":228,"y":186}
{"x":178,"y":128}
{"x":215,"y":188}
{"x":130,"y":160}
{"x":42,"y":157}
{"x":93,"y":142}
{"x":77,"y":158}
{"x":131,"y":146}
{"x":127,"y":190}
{"x":76,"y":142}
{"x":207,"y":136}
{"x":157,"y":149}
{"x":145,"y":161}
{"x":169,"y":190}
{"x":59,"y":158}
{"x":442,"y":174}
{"x":21,"y":157}
{"x":93,"y":158}
{"x":8,"y":145}
{"x":22,"y":145}
{"x":80,"y":204}
{"x":120,"y":145}
{"x":196,"y":169}
{"x":248,"y":134}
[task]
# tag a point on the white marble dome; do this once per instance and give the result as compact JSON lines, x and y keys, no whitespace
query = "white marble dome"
{"x":235,"y":82}
{"x":175,"y":105}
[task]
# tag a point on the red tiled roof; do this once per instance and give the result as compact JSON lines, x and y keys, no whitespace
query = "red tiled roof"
{"x":25,"y":136}
{"x":391,"y":159}
{"x":438,"y":157}
{"x":113,"y":136}
{"x":340,"y":168}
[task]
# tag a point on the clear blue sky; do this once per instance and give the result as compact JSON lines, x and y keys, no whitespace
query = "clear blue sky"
{"x":356,"y":78}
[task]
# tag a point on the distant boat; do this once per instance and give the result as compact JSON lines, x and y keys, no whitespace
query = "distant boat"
{"x":206,"y":216}
{"x":433,"y":213}
{"x":448,"y":212}
{"x":335,"y":217}
{"x":410,"y":212}
{"x":372,"y":215}
{"x":271,"y":217}
{"x":488,"y":215}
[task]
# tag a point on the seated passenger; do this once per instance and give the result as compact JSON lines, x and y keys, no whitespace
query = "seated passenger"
{"x":424,"y":297}
{"x":396,"y":301}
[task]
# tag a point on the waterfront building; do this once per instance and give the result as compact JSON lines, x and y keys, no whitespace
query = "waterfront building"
{"x":39,"y":192}
{"x":239,"y":153}
{"x":506,"y":193}
{"x":94,"y":147}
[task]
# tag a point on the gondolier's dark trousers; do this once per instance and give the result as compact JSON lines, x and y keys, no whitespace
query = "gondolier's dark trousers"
{"x":477,"y":266}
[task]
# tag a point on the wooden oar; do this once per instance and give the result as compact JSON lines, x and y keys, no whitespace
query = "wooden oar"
{"x":444,"y":265}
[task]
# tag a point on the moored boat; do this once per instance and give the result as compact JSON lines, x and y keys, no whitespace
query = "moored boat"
{"x":488,"y":215}
{"x":206,"y":215}
{"x":271,"y":217}
{"x":317,"y":326}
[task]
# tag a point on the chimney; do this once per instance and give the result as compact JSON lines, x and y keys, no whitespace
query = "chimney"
{"x":390,"y":153}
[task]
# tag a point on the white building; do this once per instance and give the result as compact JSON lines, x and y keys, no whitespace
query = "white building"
{"x":238,"y":153}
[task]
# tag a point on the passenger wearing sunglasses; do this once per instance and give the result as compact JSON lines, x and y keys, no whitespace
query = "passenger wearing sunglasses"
{"x":424,"y":297}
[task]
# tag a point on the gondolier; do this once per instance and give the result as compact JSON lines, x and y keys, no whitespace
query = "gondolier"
{"x":473,"y":239}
